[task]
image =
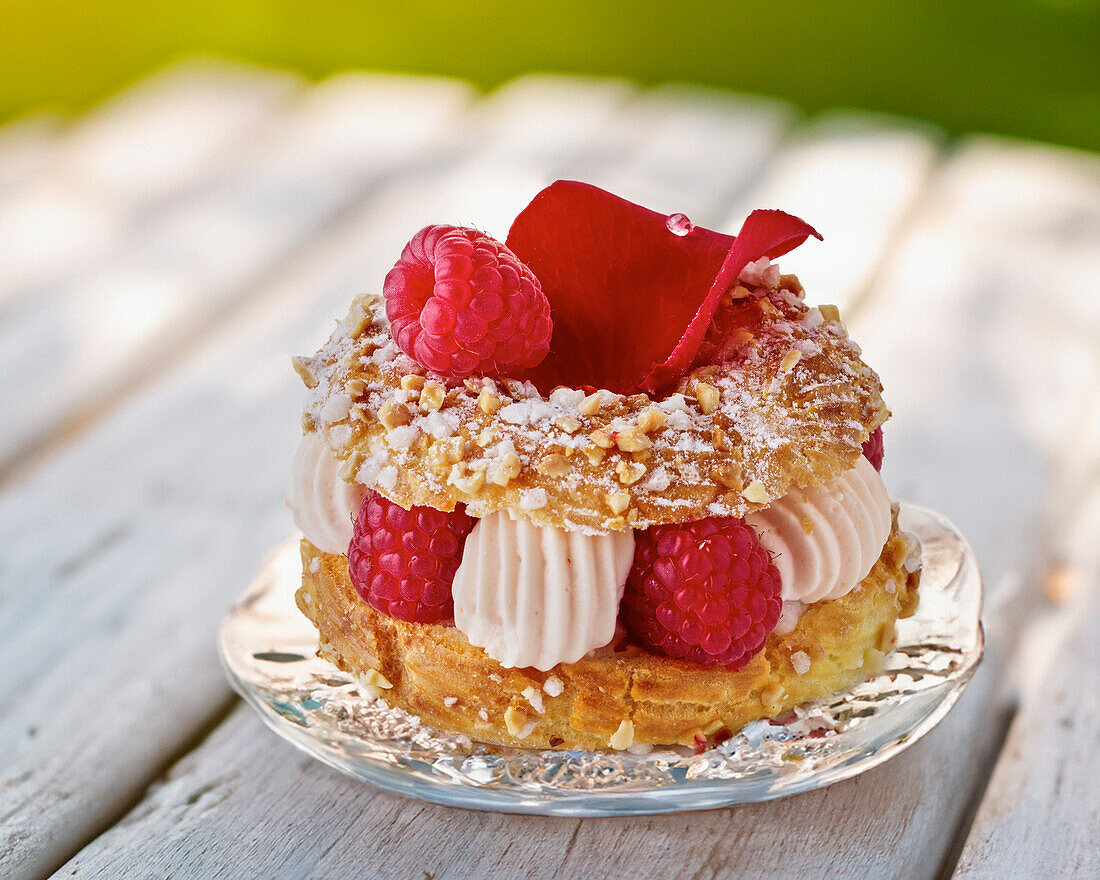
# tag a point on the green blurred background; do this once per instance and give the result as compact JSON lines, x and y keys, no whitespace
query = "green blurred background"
{"x":1020,"y":67}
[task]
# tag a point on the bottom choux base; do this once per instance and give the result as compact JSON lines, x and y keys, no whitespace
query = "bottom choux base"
{"x":614,"y":701}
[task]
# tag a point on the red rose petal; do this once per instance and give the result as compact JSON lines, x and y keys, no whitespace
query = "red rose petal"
{"x":765,"y":233}
{"x":610,"y":268}
{"x":630,"y":299}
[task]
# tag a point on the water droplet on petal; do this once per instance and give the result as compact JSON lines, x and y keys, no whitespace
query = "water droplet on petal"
{"x":679,"y":224}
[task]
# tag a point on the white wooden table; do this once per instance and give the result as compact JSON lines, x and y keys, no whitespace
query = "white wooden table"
{"x":163,"y":256}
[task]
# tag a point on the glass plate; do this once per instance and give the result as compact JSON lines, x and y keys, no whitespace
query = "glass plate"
{"x":267,"y":648}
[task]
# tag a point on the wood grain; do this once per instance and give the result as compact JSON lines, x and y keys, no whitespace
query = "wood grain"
{"x":855,"y":177}
{"x":230,"y":804}
{"x":1041,"y":814}
{"x":73,"y":347}
{"x":955,"y":335}
{"x":695,"y":149}
{"x":140,"y":149}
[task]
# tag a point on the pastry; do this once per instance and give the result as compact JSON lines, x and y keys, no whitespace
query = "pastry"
{"x":610,"y":483}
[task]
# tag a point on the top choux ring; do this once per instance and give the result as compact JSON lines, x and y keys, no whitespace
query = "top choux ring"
{"x":774,"y":396}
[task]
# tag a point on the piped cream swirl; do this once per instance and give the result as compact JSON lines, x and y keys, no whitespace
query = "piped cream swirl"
{"x":323,"y":504}
{"x":826,"y":539}
{"x":538,"y":595}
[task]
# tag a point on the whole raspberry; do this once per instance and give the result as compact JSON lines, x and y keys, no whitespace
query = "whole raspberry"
{"x":704,"y":591}
{"x":403,"y":562}
{"x":873,"y":450}
{"x":459,"y":302}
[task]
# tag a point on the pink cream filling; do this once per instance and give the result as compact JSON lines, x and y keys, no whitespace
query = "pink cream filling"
{"x":539,"y":596}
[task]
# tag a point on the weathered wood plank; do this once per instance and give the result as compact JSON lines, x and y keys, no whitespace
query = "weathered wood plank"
{"x":954,"y":328}
{"x":177,"y":501}
{"x":25,"y":148}
{"x":548,"y":117}
{"x":146,"y":145}
{"x":854,"y":177}
{"x":1040,"y":816}
{"x":158,"y":479}
{"x":79,"y":343}
{"x":157,"y":138}
{"x":185,"y":483}
{"x":696,"y":148}
{"x":230,"y":803}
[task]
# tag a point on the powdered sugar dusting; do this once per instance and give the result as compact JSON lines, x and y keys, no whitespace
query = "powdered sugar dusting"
{"x":792,"y":406}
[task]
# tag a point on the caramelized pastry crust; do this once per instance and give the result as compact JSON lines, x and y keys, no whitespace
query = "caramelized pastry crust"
{"x":786,"y":403}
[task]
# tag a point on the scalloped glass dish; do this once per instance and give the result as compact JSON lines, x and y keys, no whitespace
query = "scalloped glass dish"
{"x":267,"y":648}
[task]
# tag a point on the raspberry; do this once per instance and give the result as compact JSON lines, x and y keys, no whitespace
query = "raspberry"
{"x":403,"y":562}
{"x":873,"y":450}
{"x":459,"y":302}
{"x":703,"y":591}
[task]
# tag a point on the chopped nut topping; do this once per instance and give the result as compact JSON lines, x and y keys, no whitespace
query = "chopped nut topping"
{"x":431,"y":397}
{"x":767,"y":307}
{"x":595,"y":454}
{"x":568,"y":424}
{"x":741,"y":337}
{"x":719,"y":440}
{"x":470,"y":482}
{"x":451,"y":450}
{"x":632,"y":440}
{"x":601,"y":438}
{"x":617,"y":501}
{"x":791,"y":283}
{"x":617,"y":523}
{"x":631,"y":517}
{"x":373,"y":678}
{"x":590,"y":405}
{"x":472,"y":385}
{"x":356,"y":387}
{"x":303,"y":367}
{"x":829,"y":312}
{"x":708,"y":396}
{"x":349,"y":467}
{"x":740,"y":292}
{"x":728,"y":474}
{"x":488,"y":402}
{"x":393,"y":414}
{"x":412,"y":382}
{"x":488,"y":435}
{"x":505,"y":469}
{"x":356,"y":322}
{"x":554,"y":465}
{"x":515,"y":721}
{"x":630,"y":472}
{"x":533,"y":695}
{"x":623,"y":738}
{"x":713,"y":727}
{"x":790,"y":359}
{"x":756,"y":493}
{"x":807,"y":525}
{"x":773,"y":695}
{"x":651,"y":420}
